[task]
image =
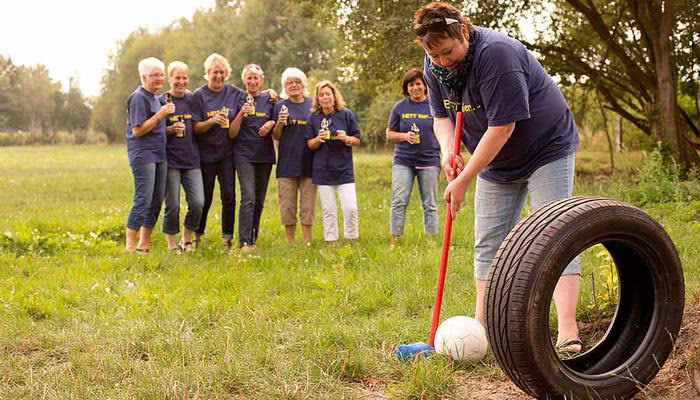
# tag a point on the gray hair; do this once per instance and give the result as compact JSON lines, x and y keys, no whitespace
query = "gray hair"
{"x":293,"y":72}
{"x":147,"y":65}
{"x":213,"y":59}
{"x":177,"y":65}
{"x":254,"y":68}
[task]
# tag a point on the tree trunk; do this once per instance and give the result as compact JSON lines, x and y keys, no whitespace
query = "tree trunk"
{"x":618,"y":133}
{"x":668,"y":117}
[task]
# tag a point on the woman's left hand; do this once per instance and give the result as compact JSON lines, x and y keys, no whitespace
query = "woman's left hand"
{"x":454,"y":194}
{"x":266,"y":128}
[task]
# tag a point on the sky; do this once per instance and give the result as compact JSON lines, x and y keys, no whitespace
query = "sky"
{"x":75,"y":37}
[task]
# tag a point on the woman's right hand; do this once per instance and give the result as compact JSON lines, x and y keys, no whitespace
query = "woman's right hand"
{"x":179,"y":127}
{"x":247,"y":108}
{"x":282,"y":118}
{"x":410,"y":138}
{"x":447,"y":165}
{"x":166,"y":109}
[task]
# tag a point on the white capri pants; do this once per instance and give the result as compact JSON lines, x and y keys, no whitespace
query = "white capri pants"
{"x":348,"y":202}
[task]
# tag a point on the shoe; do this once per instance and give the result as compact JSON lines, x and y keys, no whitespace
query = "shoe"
{"x":196,"y":240}
{"x":142,"y":251}
{"x":569,"y":347}
{"x":394,"y":240}
{"x":227,"y":244}
{"x":247,"y":248}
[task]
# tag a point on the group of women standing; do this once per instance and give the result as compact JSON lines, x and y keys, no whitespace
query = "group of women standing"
{"x":220,"y":131}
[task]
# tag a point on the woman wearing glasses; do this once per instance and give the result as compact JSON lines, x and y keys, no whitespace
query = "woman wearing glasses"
{"x":416,"y":155}
{"x":518,"y":128}
{"x":145,"y":144}
{"x":331,"y":133}
{"x":254,"y":153}
{"x":294,"y":158}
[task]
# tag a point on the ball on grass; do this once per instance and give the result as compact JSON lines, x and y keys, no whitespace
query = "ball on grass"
{"x":462,"y":339}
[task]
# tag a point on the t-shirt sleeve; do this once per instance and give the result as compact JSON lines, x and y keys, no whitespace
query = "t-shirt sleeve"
{"x":197,"y":105}
{"x":138,"y":111}
{"x":309,"y":129}
{"x":503,"y":86}
{"x":437,"y":104}
{"x":394,"y":118}
{"x":276,"y":110}
{"x":353,"y":125}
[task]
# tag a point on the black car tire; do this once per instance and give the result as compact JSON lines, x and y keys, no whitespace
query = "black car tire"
{"x":645,"y":325}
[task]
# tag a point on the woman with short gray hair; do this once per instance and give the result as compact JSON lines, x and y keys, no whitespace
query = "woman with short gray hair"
{"x":294,"y":157}
{"x":145,"y":143}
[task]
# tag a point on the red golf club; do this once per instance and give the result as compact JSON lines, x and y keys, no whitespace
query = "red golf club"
{"x":411,"y":350}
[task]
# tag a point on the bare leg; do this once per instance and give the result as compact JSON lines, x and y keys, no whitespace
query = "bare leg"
{"x":306,"y":231}
{"x":565,"y":300}
{"x":187,"y":235}
{"x":480,"y":301}
{"x":131,"y":238}
{"x":290,"y":231}
{"x":145,"y":239}
{"x":171,"y":240}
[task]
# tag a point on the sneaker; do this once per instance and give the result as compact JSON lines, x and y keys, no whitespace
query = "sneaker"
{"x":247,"y":248}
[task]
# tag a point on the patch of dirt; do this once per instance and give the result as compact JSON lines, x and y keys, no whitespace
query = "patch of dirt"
{"x":680,"y":376}
{"x":480,"y":387}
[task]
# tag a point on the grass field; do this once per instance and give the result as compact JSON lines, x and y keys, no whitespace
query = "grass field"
{"x":81,"y":319}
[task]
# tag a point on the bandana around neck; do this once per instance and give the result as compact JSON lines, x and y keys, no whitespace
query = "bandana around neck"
{"x":456,"y":79}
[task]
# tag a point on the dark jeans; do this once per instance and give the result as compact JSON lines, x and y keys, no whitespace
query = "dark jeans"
{"x":226,"y":173}
{"x":253,"y":179}
{"x":149,"y":190}
{"x":191,"y":181}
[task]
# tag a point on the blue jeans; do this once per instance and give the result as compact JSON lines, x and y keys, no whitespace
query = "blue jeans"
{"x":149,"y":190}
{"x":191,"y":180}
{"x":498,"y":206}
{"x":253,"y":179}
{"x":401,"y":187}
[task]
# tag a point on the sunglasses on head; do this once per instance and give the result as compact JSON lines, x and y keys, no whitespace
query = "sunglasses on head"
{"x":434,"y":25}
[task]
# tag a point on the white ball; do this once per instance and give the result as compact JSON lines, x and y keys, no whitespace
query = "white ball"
{"x":462,"y":339}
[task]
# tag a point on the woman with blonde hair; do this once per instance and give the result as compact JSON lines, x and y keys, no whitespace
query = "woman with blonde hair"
{"x":294,"y":157}
{"x":331,"y":133}
{"x":213,"y":104}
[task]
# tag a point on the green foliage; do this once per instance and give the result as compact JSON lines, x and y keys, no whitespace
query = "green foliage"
{"x":605,"y":286}
{"x":31,"y":101}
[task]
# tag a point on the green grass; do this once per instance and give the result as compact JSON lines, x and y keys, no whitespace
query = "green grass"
{"x":79,"y":318}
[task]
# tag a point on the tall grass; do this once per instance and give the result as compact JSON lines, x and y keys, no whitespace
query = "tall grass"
{"x":79,"y":318}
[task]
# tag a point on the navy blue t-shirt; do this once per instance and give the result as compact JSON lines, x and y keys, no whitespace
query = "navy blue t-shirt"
{"x":424,"y":154}
{"x":294,"y":158}
{"x":249,"y":146}
{"x":140,"y":106}
{"x":332,"y":161}
{"x":507,"y":84}
{"x":182,"y":151}
{"x":214,"y":144}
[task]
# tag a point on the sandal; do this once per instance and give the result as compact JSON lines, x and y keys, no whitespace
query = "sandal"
{"x":176,"y":250}
{"x":187,"y":247}
{"x":142,"y":251}
{"x":569,"y":347}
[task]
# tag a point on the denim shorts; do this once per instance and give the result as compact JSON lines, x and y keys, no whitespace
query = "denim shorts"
{"x":498,"y":207}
